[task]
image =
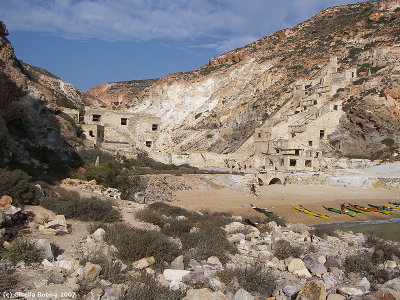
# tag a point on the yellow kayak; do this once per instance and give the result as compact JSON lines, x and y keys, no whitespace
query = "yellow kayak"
{"x":310,"y":212}
{"x":392,"y":207}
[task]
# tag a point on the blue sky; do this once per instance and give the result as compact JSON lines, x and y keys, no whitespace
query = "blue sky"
{"x":90,"y":42}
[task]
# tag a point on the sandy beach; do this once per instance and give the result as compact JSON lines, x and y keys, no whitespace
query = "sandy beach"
{"x":279,"y":198}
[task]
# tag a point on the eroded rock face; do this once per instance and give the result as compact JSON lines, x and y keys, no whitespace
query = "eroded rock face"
{"x":30,"y":132}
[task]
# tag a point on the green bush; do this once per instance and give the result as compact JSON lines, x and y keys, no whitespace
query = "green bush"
{"x":134,"y":244}
{"x":169,"y":210}
{"x":359,"y":81}
{"x":64,"y":102}
{"x":89,"y":156}
{"x":284,"y":250}
{"x":8,"y":280}
{"x":364,"y":68}
{"x":252,"y":278}
{"x":388,"y":142}
{"x":24,"y":251}
{"x":85,"y":209}
{"x":16,"y":184}
{"x":114,"y":174}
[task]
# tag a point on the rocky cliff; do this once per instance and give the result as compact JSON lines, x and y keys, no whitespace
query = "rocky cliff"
{"x":218,"y":106}
{"x":31,"y":122}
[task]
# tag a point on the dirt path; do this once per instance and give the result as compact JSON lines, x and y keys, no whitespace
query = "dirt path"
{"x":279,"y":198}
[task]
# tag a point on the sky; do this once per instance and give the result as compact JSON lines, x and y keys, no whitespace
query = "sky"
{"x":91,"y":42}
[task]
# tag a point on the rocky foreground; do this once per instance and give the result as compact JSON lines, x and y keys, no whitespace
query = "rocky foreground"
{"x":264,"y":261}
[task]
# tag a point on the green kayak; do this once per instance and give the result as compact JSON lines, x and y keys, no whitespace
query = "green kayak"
{"x":338,"y":211}
{"x":395,"y":203}
{"x":355,"y":210}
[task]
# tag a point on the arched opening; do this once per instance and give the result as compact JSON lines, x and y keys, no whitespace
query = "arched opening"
{"x":275,"y":181}
{"x":260,"y":181}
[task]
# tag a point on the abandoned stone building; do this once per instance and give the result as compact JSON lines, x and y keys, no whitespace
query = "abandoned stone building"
{"x":121,"y":130}
{"x":297,"y":138}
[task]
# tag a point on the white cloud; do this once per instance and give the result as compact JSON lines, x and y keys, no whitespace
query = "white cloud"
{"x":229,"y":23}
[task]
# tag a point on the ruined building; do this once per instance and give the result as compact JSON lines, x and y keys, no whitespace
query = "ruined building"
{"x":121,"y":130}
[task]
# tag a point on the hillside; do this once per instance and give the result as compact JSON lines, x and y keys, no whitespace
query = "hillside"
{"x":33,"y":128}
{"x":219,"y":106}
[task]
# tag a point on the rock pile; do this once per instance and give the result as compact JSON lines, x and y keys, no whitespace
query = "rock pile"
{"x":92,"y":186}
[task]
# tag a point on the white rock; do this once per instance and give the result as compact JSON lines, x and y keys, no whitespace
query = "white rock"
{"x":177,"y":263}
{"x":350,"y":291}
{"x":213,"y":260}
{"x":67,"y":266}
{"x":91,"y":271}
{"x":296,"y":264}
{"x":174,"y":275}
{"x":241,"y":294}
{"x":203,"y":294}
{"x":47,"y":264}
{"x":321,"y":259}
{"x":390,"y":264}
{"x":336,"y":297}
{"x":98,"y":235}
{"x":364,"y":284}
{"x":302,"y":273}
{"x":45,"y":248}
{"x":143,"y":263}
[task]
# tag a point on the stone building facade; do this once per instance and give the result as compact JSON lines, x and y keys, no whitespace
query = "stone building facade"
{"x":121,"y":130}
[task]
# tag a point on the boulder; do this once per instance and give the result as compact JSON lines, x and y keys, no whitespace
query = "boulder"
{"x":11,"y":210}
{"x":390,"y":264}
{"x":312,"y":264}
{"x":384,"y":294}
{"x":213,"y":260}
{"x":290,"y":290}
{"x":336,"y":297}
{"x":143,"y":263}
{"x":5,"y":200}
{"x":174,"y":275}
{"x":312,"y":290}
{"x":351,"y":291}
{"x":241,"y":294}
{"x":235,"y":227}
{"x":364,"y":285}
{"x":56,"y":276}
{"x":45,"y":247}
{"x":304,"y":273}
{"x":296,"y":264}
{"x":113,"y":292}
{"x":94,"y":294}
{"x":196,"y":278}
{"x":203,"y":294}
{"x":177,"y":263}
{"x":91,"y":271}
{"x":68,"y":266}
{"x":392,"y":284}
{"x":98,"y":235}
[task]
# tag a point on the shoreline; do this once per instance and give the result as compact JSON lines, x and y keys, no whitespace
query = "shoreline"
{"x":279,"y":198}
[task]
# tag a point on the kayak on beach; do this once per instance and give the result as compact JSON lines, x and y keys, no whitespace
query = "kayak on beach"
{"x":309,"y":212}
{"x":262,"y":210}
{"x":382,"y":208}
{"x":355,"y":209}
{"x":392,"y":207}
{"x":338,"y":211}
{"x":394,"y":203}
{"x":369,"y":209}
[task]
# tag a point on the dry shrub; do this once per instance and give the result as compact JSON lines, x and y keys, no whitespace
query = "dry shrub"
{"x":284,"y":250}
{"x":24,"y":251}
{"x":134,"y":244}
{"x":17,"y":185}
{"x":110,"y":270}
{"x":8,"y":279}
{"x":147,"y":288}
{"x":253,"y":278}
{"x":85,"y":209}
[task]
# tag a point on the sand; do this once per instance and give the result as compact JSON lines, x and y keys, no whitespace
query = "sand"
{"x":279,"y":198}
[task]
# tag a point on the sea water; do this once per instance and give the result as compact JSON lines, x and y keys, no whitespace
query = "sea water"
{"x":385,"y":229}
